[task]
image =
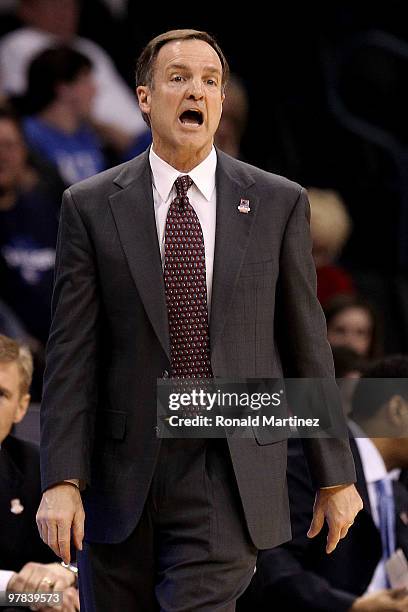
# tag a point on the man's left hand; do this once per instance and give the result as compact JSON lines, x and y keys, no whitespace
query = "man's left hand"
{"x":339,"y":506}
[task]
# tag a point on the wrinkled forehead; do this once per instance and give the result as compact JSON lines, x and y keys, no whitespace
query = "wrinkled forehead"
{"x":189,"y":53}
{"x":9,"y":375}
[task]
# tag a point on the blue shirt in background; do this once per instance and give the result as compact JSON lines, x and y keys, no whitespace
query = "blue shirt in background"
{"x":76,"y":156}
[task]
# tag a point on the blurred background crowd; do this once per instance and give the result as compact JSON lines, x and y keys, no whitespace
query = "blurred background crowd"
{"x":317,"y":93}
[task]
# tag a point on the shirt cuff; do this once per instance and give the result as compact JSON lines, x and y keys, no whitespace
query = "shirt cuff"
{"x":73,"y":481}
{"x":5,"y":576}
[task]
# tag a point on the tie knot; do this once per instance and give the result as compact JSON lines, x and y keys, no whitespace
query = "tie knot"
{"x":182,"y":185}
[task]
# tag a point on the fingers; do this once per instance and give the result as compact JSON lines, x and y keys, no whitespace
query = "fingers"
{"x":317,"y":523}
{"x":52,"y":536}
{"x":42,"y":530}
{"x":78,"y":530}
{"x":71,"y":600}
{"x":333,"y":538}
{"x":344,"y":530}
{"x":60,"y":506}
{"x":32,"y":577}
{"x":22,"y":580}
{"x":64,"y":539}
{"x":337,"y":531}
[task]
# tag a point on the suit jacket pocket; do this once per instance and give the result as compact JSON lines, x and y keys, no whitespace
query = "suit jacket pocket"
{"x":257,"y":268}
{"x":265,"y":435}
{"x":114,"y":424}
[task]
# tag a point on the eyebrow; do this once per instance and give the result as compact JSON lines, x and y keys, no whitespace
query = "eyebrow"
{"x":176,"y":66}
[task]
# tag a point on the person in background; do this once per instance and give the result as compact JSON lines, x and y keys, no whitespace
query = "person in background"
{"x":26,"y":564}
{"x":29,"y":207}
{"x":298,"y":575}
{"x":352,"y":321}
{"x":59,"y":99}
{"x":234,"y":118}
{"x":349,"y":367}
{"x":330,"y":226}
{"x":53,"y":22}
{"x":348,"y":363}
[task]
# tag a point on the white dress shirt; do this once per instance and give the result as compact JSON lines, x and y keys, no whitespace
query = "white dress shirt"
{"x":5,"y":576}
{"x":374,"y":469}
{"x":202,"y":196}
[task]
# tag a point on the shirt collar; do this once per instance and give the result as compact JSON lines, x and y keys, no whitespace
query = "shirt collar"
{"x":373,"y":463}
{"x":164,"y":175}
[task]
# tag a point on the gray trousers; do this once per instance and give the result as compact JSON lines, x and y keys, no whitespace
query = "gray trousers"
{"x":190,"y":552}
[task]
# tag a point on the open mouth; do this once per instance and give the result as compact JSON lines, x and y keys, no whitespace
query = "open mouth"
{"x":191,"y":117}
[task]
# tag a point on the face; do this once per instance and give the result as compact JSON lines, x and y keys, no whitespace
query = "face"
{"x":13,"y":404}
{"x":351,"y":327}
{"x":13,"y":155}
{"x":80,"y":94}
{"x":184,"y":102}
{"x":395,"y":417}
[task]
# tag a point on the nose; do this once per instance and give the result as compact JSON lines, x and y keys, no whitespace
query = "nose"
{"x":195,"y":90}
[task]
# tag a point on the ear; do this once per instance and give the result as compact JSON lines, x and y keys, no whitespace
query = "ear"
{"x":22,"y":408}
{"x":144,"y":97}
{"x":397,"y":410}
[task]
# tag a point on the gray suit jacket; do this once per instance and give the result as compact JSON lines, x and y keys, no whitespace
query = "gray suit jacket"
{"x":109,"y":340}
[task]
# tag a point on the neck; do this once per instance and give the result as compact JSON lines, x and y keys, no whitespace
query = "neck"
{"x":184,"y":160}
{"x":61,"y":117}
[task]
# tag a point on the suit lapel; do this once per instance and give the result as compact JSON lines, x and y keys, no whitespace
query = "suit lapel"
{"x":133,"y":211}
{"x":233,"y":230}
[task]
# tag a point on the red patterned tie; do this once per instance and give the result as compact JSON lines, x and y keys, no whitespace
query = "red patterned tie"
{"x":186,"y":289}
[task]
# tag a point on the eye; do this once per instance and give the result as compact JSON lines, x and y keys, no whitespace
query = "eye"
{"x":177,"y":78}
{"x":211,"y":82}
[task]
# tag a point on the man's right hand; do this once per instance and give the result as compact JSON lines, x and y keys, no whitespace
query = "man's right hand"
{"x":60,"y":510}
{"x":387,"y":600}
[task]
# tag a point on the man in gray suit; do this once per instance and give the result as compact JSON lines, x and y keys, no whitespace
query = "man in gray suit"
{"x":180,"y":263}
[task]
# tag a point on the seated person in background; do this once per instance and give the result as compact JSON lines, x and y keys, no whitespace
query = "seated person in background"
{"x":299,"y":575}
{"x":352,"y":321}
{"x":347,"y":362}
{"x":49,"y":22}
{"x":330,"y":227}
{"x":59,"y":99}
{"x":29,"y":209}
{"x":349,"y":366}
{"x":26,"y":564}
{"x":233,"y":119}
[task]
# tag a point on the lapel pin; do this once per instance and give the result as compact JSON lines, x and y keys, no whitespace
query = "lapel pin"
{"x":244,"y":206}
{"x":16,"y":506}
